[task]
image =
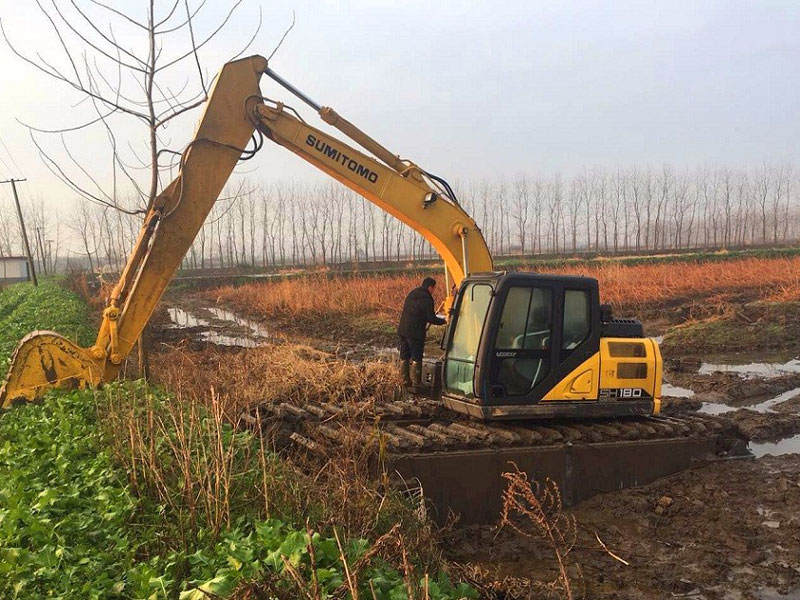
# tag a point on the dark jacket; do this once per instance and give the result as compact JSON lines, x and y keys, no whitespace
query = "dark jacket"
{"x":417,"y":313}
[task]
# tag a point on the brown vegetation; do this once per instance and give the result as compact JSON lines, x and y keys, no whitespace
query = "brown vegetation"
{"x":323,"y":306}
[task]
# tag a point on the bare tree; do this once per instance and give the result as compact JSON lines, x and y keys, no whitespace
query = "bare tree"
{"x":122,"y":80}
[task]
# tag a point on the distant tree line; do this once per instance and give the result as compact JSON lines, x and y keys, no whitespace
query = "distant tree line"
{"x":608,"y":211}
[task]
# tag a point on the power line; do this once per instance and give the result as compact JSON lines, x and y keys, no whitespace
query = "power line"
{"x":11,"y":156}
{"x":5,"y":164}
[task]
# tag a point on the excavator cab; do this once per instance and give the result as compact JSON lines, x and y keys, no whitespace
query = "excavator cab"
{"x":524,"y":345}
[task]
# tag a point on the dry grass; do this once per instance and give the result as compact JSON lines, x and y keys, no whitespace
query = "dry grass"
{"x":193,"y":451}
{"x":535,"y":510}
{"x":275,"y":373}
{"x":319,"y":305}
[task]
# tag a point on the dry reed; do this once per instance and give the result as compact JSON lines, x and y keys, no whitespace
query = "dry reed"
{"x":321,"y":304}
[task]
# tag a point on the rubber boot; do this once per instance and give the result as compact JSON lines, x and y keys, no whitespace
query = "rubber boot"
{"x":416,"y":377}
{"x":405,"y":373}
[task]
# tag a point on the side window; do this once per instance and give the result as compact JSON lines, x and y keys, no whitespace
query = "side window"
{"x":577,"y":322}
{"x":525,"y":326}
{"x":460,"y":365}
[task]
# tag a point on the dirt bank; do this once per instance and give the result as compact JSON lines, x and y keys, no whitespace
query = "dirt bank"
{"x":728,"y":530}
{"x":752,"y":326}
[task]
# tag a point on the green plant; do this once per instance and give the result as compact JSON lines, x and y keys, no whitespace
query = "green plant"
{"x":25,"y":308}
{"x":71,"y":527}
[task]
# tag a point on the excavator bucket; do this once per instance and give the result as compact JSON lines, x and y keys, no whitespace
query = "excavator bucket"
{"x":45,"y":360}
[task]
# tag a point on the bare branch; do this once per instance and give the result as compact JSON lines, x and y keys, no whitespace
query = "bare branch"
{"x":67,"y":129}
{"x":180,"y":112}
{"x":110,"y":40}
{"x":252,"y":38}
{"x":169,"y":15}
{"x":194,"y":48}
{"x":119,"y":13}
{"x":60,"y":38}
{"x":280,"y":43}
{"x":56,"y":170}
{"x":56,"y":74}
{"x":205,"y":41}
{"x":182,"y":25}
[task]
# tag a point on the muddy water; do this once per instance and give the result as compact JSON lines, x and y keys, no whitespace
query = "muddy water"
{"x":221,"y":327}
{"x":715,"y":408}
{"x":753,"y":369}
{"x":184,"y":320}
{"x":667,"y":389}
{"x":790,"y":445}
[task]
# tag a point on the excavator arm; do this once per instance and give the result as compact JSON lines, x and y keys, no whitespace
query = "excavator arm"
{"x":235,"y":109}
{"x":401,"y":188}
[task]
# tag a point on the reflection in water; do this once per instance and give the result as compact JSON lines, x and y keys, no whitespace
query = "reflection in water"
{"x":182,"y":319}
{"x":790,"y":445}
{"x":767,"y":405}
{"x":215,"y":332}
{"x":667,"y":389}
{"x":755,"y":369}
{"x":714,"y":408}
{"x":225,"y":315}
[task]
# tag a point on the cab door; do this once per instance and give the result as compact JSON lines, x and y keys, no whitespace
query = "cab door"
{"x":522,"y":356}
{"x":543,"y":329}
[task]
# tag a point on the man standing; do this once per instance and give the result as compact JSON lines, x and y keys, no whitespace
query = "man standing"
{"x":417,"y":313}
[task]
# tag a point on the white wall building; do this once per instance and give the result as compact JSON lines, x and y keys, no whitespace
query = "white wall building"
{"x":13,"y":268}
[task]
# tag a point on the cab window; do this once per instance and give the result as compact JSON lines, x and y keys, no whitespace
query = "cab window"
{"x":525,"y":324}
{"x":525,"y":327}
{"x":577,"y":323}
{"x":460,"y":365}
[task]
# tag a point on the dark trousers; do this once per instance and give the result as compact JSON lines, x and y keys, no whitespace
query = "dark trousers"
{"x":411,"y":349}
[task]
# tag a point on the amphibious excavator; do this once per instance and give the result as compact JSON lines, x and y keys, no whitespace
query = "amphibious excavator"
{"x":518,"y":346}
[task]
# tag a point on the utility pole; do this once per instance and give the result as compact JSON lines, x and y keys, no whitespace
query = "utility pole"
{"x":13,"y":183}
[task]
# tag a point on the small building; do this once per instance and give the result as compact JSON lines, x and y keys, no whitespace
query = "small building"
{"x":13,"y":269}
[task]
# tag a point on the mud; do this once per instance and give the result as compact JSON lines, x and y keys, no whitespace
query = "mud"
{"x":792,"y":405}
{"x":731,"y":388}
{"x":725,"y":531}
{"x":191,"y":321}
{"x":765,"y":426}
{"x":743,"y":325}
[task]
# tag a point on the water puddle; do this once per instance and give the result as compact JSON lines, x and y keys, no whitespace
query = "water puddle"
{"x":221,"y":314}
{"x":220,"y":327}
{"x":767,"y":405}
{"x":715,"y":408}
{"x":790,"y":445}
{"x":184,"y":320}
{"x":221,"y":339}
{"x":754,"y":369}
{"x":667,"y":389}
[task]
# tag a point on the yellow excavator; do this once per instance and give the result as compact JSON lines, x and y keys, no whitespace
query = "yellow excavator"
{"x":517,"y":346}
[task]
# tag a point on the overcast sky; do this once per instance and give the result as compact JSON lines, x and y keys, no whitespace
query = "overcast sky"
{"x":474,"y":89}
